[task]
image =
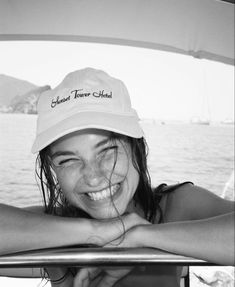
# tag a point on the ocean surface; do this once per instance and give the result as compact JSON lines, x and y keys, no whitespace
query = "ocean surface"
{"x":177,"y":152}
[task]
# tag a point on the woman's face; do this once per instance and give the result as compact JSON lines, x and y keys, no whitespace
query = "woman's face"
{"x":95,"y":173}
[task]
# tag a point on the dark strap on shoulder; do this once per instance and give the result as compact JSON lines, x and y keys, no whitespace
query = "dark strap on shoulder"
{"x":170,"y":188}
{"x":163,"y":188}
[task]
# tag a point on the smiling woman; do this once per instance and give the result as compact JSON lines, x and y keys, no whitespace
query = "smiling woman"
{"x":92,"y":167}
{"x":118,"y":168}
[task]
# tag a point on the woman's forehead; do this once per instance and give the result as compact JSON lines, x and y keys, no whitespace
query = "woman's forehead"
{"x":88,"y":138}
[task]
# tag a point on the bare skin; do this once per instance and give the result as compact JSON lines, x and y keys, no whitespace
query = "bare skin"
{"x":35,"y":226}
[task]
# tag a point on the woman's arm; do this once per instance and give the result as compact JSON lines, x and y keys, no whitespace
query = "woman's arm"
{"x":197,"y":223}
{"x":22,"y":230}
{"x":209,"y":239}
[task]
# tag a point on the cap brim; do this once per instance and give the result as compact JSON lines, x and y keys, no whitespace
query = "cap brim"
{"x":126,"y":125}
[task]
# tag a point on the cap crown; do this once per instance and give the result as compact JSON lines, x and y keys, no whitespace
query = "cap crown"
{"x":86,"y":98}
{"x":81,"y":91}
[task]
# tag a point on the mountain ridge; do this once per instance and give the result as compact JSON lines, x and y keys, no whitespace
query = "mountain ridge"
{"x":18,"y":96}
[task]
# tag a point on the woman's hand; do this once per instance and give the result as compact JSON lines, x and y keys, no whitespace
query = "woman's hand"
{"x":214,"y":236}
{"x":119,"y":232}
{"x":100,"y":277}
{"x":60,"y":276}
{"x":132,"y":238}
{"x":106,"y":231}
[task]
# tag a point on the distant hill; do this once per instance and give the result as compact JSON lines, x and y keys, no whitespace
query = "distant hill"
{"x":11,"y":87}
{"x":18,"y":96}
{"x":26,"y":103}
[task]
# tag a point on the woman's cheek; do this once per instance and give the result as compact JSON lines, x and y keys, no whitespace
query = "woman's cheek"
{"x":66,"y":182}
{"x":122,"y":165}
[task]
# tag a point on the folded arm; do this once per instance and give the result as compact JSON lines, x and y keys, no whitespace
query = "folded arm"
{"x":209,"y":239}
{"x":25,"y":230}
{"x":22,"y":230}
{"x":197,"y":223}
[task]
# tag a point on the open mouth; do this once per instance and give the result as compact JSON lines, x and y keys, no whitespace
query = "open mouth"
{"x":105,"y":193}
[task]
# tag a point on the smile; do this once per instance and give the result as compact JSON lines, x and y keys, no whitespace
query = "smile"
{"x":105,"y":193}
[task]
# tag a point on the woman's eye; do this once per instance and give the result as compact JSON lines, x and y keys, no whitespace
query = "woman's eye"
{"x":110,"y":149}
{"x":109,"y":152}
{"x":66,"y":162}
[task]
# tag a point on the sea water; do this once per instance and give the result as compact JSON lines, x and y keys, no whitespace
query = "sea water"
{"x":177,"y":153}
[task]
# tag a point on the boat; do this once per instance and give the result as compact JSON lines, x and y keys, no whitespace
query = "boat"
{"x":200,"y":121}
{"x":227,"y":121}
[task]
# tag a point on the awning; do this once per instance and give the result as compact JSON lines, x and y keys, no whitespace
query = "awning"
{"x":201,"y":28}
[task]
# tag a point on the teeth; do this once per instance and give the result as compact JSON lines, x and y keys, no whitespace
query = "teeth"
{"x":103,"y":193}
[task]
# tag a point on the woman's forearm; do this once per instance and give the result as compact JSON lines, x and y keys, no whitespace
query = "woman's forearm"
{"x":24,"y":230}
{"x":210,"y":239}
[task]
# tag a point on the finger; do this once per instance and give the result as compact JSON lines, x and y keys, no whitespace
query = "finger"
{"x":127,"y":223}
{"x":121,"y":242}
{"x":79,"y":279}
{"x":115,"y":243}
{"x":113,"y":275}
{"x":107,"y":281}
{"x":133,"y":219}
{"x":109,"y":230}
{"x":85,"y":276}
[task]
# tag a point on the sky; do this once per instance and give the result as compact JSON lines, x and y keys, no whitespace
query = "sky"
{"x":162,"y":85}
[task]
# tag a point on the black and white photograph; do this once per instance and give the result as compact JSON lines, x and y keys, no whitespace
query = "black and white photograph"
{"x":117,"y":143}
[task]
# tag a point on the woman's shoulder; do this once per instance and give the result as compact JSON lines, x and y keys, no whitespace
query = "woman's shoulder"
{"x":190,"y":202}
{"x":171,"y":200}
{"x":169,"y":188}
{"x":35,"y":208}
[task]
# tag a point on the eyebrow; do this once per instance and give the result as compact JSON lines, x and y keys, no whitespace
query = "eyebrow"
{"x":103,"y":142}
{"x":64,"y":153}
{"x":61,"y":153}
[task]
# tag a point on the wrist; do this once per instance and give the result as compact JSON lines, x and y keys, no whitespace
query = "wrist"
{"x":96,"y":232}
{"x":137,"y":236}
{"x":78,"y":229}
{"x":82,"y":230}
{"x":146,"y":235}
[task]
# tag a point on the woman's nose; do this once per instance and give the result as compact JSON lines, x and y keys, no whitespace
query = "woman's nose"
{"x":92,"y":175}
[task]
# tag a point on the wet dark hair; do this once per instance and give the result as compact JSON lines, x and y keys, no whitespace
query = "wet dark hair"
{"x":145,"y":196}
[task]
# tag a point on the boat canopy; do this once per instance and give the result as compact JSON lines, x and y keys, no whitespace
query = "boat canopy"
{"x":201,"y":28}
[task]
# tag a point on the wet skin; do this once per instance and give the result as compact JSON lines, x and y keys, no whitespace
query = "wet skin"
{"x":95,"y":173}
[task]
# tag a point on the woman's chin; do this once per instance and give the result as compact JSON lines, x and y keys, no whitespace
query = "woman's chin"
{"x":106,"y":214}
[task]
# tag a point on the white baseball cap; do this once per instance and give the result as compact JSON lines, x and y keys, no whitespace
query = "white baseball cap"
{"x":86,"y":98}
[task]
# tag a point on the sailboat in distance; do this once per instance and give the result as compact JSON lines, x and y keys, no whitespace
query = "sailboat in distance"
{"x":204,"y":117}
{"x":200,"y":121}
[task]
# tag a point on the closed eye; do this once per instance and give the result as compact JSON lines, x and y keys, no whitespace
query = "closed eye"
{"x":109,"y":148}
{"x":66,"y":160}
{"x":108,"y":153}
{"x":63,"y":162}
